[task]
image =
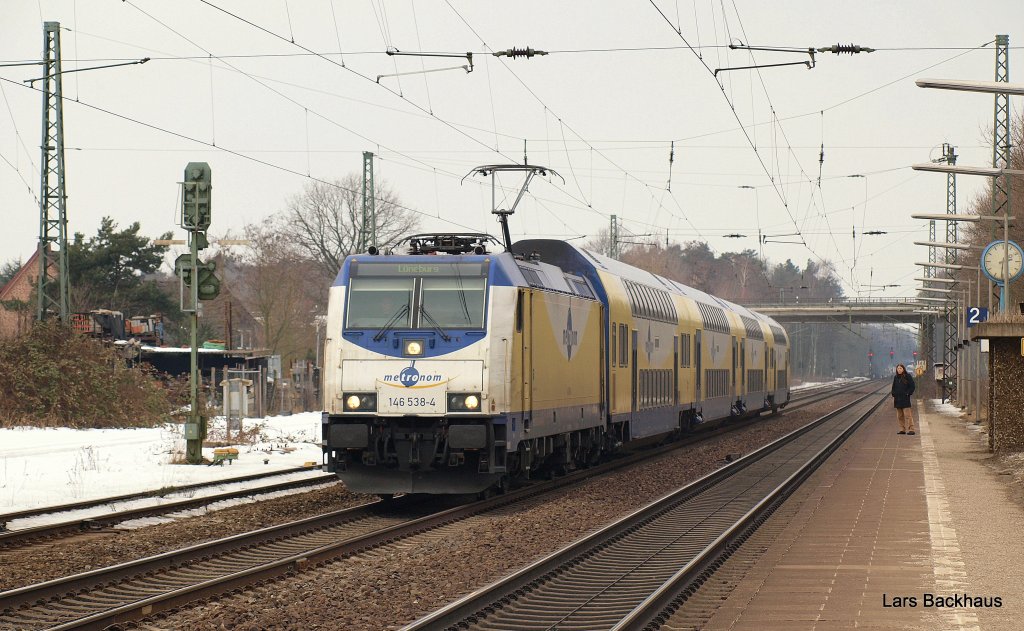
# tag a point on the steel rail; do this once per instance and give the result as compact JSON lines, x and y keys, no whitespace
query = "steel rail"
{"x":51,"y":594}
{"x":84,"y":524}
{"x":474,"y":607}
{"x":655,"y":610}
{"x":5,"y":518}
{"x":9,"y":538}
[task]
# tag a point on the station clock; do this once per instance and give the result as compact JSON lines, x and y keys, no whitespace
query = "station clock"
{"x":992,"y":260}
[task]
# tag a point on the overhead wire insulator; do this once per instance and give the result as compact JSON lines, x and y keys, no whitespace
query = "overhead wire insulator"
{"x":519,"y":52}
{"x":850,"y":49}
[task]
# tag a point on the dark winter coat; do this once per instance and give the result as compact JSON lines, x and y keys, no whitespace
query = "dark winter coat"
{"x":902,"y":388}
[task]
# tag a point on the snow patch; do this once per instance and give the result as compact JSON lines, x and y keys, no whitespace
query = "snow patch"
{"x":49,"y":466}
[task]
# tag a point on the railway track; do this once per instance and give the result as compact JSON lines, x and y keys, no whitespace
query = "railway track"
{"x":6,"y":518}
{"x":137,"y":589}
{"x":22,"y":536}
{"x":97,"y":523}
{"x":626,"y":575}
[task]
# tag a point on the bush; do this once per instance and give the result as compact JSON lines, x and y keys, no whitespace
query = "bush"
{"x":55,"y":378}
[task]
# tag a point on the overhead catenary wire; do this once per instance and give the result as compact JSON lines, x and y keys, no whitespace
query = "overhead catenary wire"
{"x":793,"y":154}
{"x":238,"y":154}
{"x":570,"y":148}
{"x":423,"y":61}
{"x":557,"y":117}
{"x":21,"y":141}
{"x":360,"y":75}
{"x":28,"y":186}
{"x":278,"y":92}
{"x":337,"y":32}
{"x":169,"y":57}
{"x":549,"y":51}
{"x":732,"y":108}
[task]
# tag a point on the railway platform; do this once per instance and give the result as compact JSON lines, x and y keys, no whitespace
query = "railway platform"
{"x":893,"y":532}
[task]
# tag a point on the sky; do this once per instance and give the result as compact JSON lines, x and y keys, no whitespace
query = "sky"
{"x":278,"y":93}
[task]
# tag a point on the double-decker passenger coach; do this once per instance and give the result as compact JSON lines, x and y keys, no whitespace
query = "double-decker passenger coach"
{"x":457,"y":365}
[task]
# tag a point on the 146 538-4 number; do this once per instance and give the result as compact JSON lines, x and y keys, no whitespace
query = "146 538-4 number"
{"x":411,"y":402}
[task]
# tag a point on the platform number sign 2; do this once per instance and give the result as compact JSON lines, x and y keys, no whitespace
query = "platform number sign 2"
{"x":976,"y":315}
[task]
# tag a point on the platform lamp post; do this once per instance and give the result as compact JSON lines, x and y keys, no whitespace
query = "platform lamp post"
{"x":965,"y":393}
{"x":1002,"y":91}
{"x":960,"y":319}
{"x":974,"y":364}
{"x":1004,"y":293}
{"x":952,"y":329}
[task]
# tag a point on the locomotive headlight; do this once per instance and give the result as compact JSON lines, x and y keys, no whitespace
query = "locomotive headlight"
{"x":360,"y":402}
{"x":412,"y":348}
{"x":464,"y":402}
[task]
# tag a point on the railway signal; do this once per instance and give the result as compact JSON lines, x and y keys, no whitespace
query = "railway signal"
{"x":195,"y":202}
{"x":201,"y":283}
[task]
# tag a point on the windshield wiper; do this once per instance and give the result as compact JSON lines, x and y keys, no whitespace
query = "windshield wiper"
{"x":434,"y":324}
{"x":404,"y":309}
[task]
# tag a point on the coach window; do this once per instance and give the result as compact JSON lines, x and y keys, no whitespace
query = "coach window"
{"x":615,"y":345}
{"x":664,"y":306}
{"x":520,"y":296}
{"x":634,"y":305}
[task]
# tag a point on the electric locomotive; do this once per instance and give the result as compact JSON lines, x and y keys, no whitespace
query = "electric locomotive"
{"x":456,"y":364}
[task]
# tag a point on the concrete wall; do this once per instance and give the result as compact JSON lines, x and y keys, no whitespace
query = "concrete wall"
{"x":1006,"y":396}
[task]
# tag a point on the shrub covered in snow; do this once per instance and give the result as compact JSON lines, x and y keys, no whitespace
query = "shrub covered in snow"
{"x":53,"y":377}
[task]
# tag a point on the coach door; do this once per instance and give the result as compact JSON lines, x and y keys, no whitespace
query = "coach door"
{"x":697,"y":356}
{"x":734,"y":349}
{"x":743,"y":366}
{"x":675,"y":370}
{"x":633,"y":370}
{"x":525,"y":324}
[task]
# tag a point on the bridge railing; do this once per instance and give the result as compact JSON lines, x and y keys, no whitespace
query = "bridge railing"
{"x":846,"y":302}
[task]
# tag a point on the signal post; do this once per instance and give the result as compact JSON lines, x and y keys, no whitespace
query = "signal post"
{"x":197,"y":282}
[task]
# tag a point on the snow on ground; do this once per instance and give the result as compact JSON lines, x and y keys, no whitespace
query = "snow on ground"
{"x":49,"y":466}
{"x":946,"y":408}
{"x":46,"y":467}
{"x":815,"y":384}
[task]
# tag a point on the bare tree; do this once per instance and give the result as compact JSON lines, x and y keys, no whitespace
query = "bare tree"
{"x":325,"y":221}
{"x":600,"y":243}
{"x":279,"y":294}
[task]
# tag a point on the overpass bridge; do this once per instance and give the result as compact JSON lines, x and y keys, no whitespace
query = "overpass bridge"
{"x":904,"y":310}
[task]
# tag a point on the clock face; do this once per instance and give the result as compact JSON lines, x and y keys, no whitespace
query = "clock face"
{"x":993,"y":260}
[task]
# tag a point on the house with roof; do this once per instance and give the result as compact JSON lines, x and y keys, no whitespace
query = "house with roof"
{"x":17,"y":300}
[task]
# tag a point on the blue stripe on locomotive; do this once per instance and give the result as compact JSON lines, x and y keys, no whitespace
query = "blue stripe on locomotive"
{"x":500,"y":273}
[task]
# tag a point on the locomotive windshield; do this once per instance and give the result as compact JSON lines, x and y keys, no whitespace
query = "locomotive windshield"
{"x":373,"y":302}
{"x":417,"y":295}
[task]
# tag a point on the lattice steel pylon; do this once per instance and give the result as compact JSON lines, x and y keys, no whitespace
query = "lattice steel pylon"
{"x":368,"y":231}
{"x":52,"y":286}
{"x":1001,"y":134}
{"x":927,"y":327}
{"x":952,"y":333}
{"x":613,"y":238}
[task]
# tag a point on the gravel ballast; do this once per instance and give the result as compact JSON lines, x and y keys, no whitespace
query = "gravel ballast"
{"x":393,"y":585}
{"x":52,"y":559}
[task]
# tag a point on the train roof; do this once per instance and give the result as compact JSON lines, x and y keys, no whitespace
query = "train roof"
{"x":579,"y":261}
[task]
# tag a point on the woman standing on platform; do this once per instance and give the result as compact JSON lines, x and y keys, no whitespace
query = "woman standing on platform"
{"x":902,"y":388}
